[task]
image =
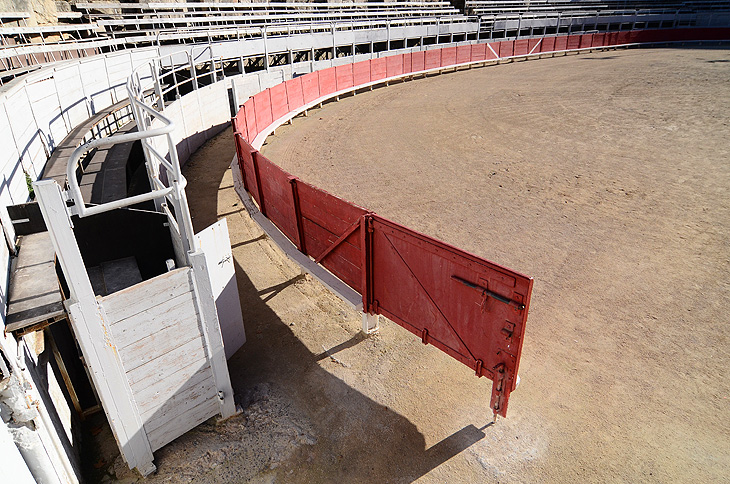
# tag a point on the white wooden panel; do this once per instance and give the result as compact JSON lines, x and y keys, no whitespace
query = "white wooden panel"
{"x":168,"y":313}
{"x":195,"y":379}
{"x":214,"y":104}
{"x":47,"y":110}
{"x":147,"y":294}
{"x":160,"y":368}
{"x":96,"y":84}
{"x":156,"y":344}
{"x":118,"y":69}
{"x":21,"y":117}
{"x":215,"y":244}
{"x":73,"y":99}
{"x":191,"y":419}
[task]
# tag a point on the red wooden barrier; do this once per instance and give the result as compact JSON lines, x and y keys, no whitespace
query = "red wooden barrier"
{"x":433,"y":59}
{"x":327,"y":81}
{"x":344,"y":76}
{"x":506,"y":48}
{"x":407,"y":63}
{"x":547,"y":44}
{"x":331,"y":232}
{"x":522,"y":46}
{"x":394,"y":65}
{"x":250,"y":114}
{"x":478,"y":52}
{"x":239,"y":123}
{"x":378,"y":69}
{"x":533,"y":46}
{"x":418,"y":61}
{"x":586,"y":41}
{"x":262,"y":104}
{"x":470,"y":308}
{"x":463,"y":54}
{"x":294,"y":93}
{"x":361,"y":72}
{"x":623,"y":38}
{"x":279,"y":103}
{"x":448,"y":56}
{"x":310,"y":87}
{"x":277,"y":196}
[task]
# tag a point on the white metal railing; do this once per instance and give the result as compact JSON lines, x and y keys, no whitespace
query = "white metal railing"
{"x":166,"y":179}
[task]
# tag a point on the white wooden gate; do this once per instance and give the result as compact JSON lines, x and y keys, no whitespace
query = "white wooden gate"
{"x":216,"y":245}
{"x":154,"y":350}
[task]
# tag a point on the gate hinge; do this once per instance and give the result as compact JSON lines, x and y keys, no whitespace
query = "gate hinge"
{"x":498,"y":390}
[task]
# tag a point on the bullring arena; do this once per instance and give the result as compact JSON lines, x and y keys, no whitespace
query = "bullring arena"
{"x":599,"y":169}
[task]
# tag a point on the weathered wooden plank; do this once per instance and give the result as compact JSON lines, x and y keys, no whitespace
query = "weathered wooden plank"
{"x":34,"y":294}
{"x":181,"y":402}
{"x":159,"y":343}
{"x":141,"y":297}
{"x":192,"y":418}
{"x":168,"y":313}
{"x":160,"y":368}
{"x":195,"y":379}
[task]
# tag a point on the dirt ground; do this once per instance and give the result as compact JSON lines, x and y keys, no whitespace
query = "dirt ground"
{"x":603,"y":176}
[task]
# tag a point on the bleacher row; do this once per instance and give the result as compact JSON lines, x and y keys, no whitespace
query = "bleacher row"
{"x":503,"y":7}
{"x":97,"y":27}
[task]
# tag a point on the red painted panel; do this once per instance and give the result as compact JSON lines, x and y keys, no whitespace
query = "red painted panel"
{"x":463,"y":54}
{"x":433,"y":59}
{"x":470,"y":308}
{"x":492,"y":50}
{"x":394,"y":65}
{"x":506,"y":48}
{"x":478,"y":52}
{"x":407,"y":63}
{"x":279,"y":103}
{"x":418,"y":61}
{"x":634,"y":36}
{"x":344,"y":261}
{"x":586,"y":41}
{"x":531,"y":49}
{"x":239,"y":123}
{"x":262,"y":102}
{"x":377,"y":69}
{"x":448,"y":56}
{"x":277,"y":196}
{"x":547,"y":45}
{"x":361,"y":72}
{"x":622,"y":38}
{"x":611,"y":38}
{"x":246,"y":163}
{"x":294,"y":93}
{"x":310,"y":87}
{"x":327,"y":81}
{"x":573,"y":42}
{"x":599,"y":39}
{"x":343,"y":75}
{"x":522,"y":46}
{"x":325,"y":219}
{"x":249,"y":112}
{"x":561,"y":42}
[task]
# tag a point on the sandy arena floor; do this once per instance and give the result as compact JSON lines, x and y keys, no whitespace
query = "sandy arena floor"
{"x":603,"y":176}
